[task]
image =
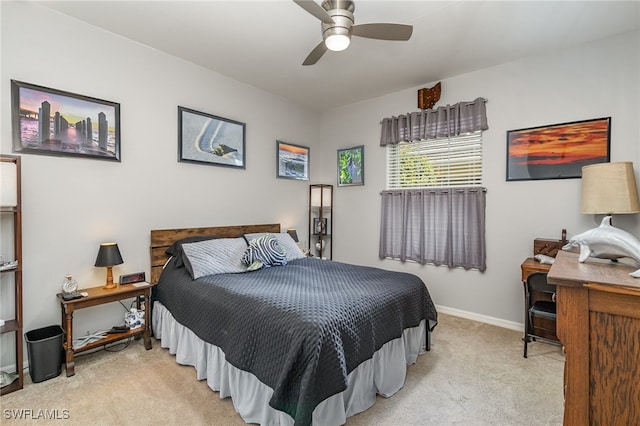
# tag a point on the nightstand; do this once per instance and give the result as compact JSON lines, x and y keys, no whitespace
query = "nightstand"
{"x":99,"y":296}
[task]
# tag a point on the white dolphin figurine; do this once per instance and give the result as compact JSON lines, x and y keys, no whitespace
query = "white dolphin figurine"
{"x":606,"y":242}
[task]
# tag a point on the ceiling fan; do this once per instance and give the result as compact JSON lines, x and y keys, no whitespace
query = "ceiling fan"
{"x":338,"y":27}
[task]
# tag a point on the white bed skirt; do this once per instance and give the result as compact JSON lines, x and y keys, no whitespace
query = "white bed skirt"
{"x":384,"y":374}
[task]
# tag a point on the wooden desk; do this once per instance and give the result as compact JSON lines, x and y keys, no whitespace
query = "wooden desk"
{"x":99,"y":296}
{"x":599,"y":325}
{"x":528,"y":267}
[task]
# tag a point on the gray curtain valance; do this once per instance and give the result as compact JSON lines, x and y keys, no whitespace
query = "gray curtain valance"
{"x":450,"y":120}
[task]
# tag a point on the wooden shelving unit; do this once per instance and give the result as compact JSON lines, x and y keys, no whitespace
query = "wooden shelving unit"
{"x":321,"y":220}
{"x":13,"y":277}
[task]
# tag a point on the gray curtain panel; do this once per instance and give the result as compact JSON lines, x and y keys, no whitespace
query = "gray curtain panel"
{"x":450,"y":120}
{"x":443,"y":226}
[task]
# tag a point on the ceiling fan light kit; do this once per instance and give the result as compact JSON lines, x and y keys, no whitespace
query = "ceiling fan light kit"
{"x":337,"y":42}
{"x":338,"y":27}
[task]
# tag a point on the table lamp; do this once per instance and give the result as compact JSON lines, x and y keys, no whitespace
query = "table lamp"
{"x":609,"y":188}
{"x":293,"y":233}
{"x":109,"y":255}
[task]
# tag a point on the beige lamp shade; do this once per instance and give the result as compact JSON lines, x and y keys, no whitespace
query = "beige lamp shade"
{"x":321,"y":195}
{"x":8,"y":184}
{"x":609,"y":188}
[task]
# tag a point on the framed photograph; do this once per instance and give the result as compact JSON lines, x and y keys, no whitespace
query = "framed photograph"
{"x":351,"y":166}
{"x":208,"y":139}
{"x":292,"y":161}
{"x":53,"y":122}
{"x":319,"y":226}
{"x":557,"y":151}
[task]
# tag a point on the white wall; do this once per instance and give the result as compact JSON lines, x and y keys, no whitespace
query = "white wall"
{"x":596,"y":80}
{"x":71,"y":205}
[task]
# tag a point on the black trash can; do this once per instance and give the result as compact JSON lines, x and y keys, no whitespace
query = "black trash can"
{"x":45,"y":351}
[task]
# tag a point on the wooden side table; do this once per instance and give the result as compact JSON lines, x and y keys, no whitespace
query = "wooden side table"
{"x":99,"y":296}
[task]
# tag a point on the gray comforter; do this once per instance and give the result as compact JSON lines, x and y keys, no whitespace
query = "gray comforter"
{"x":300,"y":328}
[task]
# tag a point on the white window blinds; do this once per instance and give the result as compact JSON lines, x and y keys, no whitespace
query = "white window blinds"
{"x":442,"y":162}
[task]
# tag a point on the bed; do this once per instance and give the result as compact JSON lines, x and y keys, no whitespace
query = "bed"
{"x":306,"y":341}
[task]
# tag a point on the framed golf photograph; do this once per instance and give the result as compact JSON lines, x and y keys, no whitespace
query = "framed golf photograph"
{"x":292,"y":161}
{"x":557,"y":151}
{"x":208,"y":139}
{"x":54,"y":122}
{"x":351,"y":166}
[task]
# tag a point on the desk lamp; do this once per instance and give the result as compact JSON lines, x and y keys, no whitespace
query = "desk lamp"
{"x":109,"y":255}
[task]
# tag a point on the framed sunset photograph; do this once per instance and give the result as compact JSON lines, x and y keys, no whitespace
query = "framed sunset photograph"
{"x":557,"y":151}
{"x":292,"y":161}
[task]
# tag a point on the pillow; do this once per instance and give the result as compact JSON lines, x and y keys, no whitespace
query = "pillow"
{"x":175,"y":249}
{"x":218,"y":256}
{"x":264,"y":251}
{"x":290,"y":247}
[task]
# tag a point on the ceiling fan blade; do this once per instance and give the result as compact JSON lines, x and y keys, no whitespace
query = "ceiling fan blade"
{"x":315,"y":54}
{"x":315,"y":9}
{"x":397,"y":32}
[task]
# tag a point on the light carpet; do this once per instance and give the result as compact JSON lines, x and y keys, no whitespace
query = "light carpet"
{"x":474,"y":375}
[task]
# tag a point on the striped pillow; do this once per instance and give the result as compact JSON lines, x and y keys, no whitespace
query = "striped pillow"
{"x":264,"y":251}
{"x":290,"y":247}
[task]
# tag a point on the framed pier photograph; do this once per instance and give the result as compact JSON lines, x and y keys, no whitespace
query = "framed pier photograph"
{"x":54,"y":122}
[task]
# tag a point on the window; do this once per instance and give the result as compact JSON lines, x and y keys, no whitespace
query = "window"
{"x":433,"y":210}
{"x":442,"y":162}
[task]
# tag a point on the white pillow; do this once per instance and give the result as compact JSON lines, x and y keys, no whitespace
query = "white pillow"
{"x":219,"y":256}
{"x":290,"y":247}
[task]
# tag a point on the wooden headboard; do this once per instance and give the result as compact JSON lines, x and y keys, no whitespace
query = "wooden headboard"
{"x":161,"y":240}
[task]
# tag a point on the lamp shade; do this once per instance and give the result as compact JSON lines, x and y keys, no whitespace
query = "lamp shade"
{"x":108,"y":255}
{"x":609,"y":188}
{"x":321,"y":195}
{"x":8,"y":184}
{"x":293,"y":234}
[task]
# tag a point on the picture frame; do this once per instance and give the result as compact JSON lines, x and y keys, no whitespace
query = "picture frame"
{"x":209,"y":139}
{"x":320,"y":227}
{"x":557,"y":151}
{"x":292,"y":161}
{"x":351,"y":166}
{"x":77,"y":125}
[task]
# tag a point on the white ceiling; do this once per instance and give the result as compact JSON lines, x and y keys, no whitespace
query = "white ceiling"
{"x":264,"y":42}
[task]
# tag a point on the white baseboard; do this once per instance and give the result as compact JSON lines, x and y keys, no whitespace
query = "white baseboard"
{"x":499,"y":322}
